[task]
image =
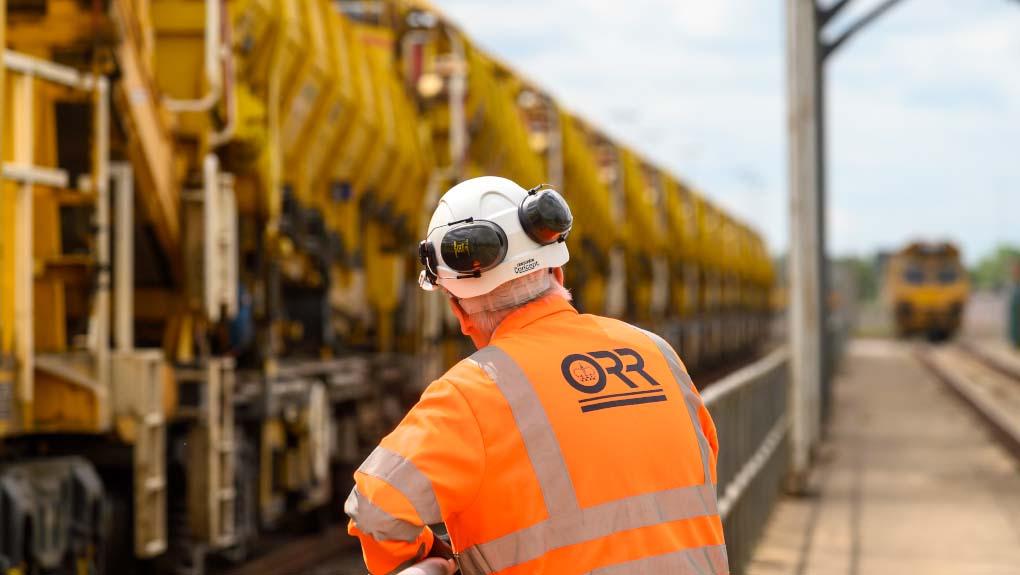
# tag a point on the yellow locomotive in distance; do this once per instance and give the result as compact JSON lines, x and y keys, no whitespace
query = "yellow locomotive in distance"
{"x":926,"y":288}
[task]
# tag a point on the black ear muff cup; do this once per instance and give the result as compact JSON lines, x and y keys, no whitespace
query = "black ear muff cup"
{"x":427,"y":257}
{"x":474,"y":248}
{"x":545,"y":217}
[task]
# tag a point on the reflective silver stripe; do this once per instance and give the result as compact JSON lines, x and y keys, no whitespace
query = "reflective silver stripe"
{"x":695,"y":561}
{"x":405,"y":477}
{"x":691,"y":399}
{"x":535,"y":429}
{"x":376,"y":523}
{"x":588,"y":524}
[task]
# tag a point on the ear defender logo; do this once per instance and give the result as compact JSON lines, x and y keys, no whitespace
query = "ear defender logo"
{"x":585,"y":373}
{"x":462,"y":247}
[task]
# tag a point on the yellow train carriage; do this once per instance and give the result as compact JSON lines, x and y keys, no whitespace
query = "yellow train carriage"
{"x":648,"y":272}
{"x":926,"y":289}
{"x":596,"y":234}
{"x":711,"y":288}
{"x":685,"y":268}
{"x":603,"y":188}
{"x":221,"y":369}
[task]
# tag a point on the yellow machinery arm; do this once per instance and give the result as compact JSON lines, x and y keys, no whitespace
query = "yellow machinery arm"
{"x":149,"y":141}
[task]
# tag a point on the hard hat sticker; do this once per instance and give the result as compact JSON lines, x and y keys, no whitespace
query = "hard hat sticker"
{"x":525,"y":266}
{"x":585,"y":373}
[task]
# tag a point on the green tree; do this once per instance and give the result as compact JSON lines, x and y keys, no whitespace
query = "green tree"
{"x":992,"y":271}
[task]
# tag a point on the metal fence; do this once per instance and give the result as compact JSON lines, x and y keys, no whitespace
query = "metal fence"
{"x":749,"y":408}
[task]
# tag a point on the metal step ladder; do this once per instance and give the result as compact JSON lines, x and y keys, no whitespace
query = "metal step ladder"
{"x":211,"y":453}
{"x":138,"y":378}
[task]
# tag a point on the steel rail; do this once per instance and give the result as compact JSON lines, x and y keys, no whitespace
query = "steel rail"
{"x":1006,"y":431}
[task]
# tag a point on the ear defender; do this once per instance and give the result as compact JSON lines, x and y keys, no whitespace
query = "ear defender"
{"x":427,"y":257}
{"x":474,"y":248}
{"x":545,"y":216}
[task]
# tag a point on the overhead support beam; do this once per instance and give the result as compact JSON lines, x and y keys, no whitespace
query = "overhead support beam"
{"x":875,"y":13}
{"x":827,"y":14}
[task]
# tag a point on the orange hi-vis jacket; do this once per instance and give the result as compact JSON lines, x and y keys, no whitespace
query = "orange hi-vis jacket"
{"x":571,"y":444}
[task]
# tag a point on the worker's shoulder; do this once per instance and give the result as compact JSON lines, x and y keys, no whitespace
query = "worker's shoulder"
{"x":466,"y":375}
{"x":622,"y":331}
{"x":617,"y":327}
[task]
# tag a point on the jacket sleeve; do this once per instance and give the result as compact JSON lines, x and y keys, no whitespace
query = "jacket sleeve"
{"x":704,"y":417}
{"x":427,"y":469}
{"x":708,"y":428}
{"x":706,"y":422}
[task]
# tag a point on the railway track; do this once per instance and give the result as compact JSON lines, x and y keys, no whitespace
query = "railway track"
{"x":987,"y":379}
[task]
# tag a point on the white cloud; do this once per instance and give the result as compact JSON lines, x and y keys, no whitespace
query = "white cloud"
{"x":924,"y":105}
{"x":924,"y":120}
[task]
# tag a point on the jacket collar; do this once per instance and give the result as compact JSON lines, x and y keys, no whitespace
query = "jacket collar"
{"x":532,"y":312}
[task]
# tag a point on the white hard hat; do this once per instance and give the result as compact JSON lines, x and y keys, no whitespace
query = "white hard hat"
{"x":487,"y":231}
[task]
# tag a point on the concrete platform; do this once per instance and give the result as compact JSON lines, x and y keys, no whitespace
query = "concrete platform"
{"x":910,"y":481}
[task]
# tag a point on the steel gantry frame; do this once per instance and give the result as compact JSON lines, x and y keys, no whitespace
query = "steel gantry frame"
{"x":807,"y":51}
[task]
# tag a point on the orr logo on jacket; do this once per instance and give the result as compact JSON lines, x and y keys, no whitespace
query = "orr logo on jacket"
{"x":589,"y":374}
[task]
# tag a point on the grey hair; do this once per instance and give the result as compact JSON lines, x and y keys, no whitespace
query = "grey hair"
{"x":489,"y":310}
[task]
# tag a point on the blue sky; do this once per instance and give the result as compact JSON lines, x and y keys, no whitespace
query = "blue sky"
{"x":924,"y":108}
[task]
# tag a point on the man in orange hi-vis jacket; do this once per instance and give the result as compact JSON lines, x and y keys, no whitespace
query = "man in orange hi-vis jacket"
{"x":566,"y":444}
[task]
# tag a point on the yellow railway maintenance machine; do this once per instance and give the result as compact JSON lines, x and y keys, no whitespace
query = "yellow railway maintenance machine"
{"x":925,"y":289}
{"x":208,"y":309}
{"x":176,"y":269}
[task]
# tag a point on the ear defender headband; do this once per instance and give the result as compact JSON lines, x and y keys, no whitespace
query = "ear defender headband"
{"x":473,"y":246}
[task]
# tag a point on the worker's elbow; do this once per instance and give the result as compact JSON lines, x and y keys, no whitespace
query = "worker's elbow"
{"x":376,"y":523}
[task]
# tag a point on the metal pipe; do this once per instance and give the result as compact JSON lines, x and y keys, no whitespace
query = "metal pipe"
{"x":24,"y":336}
{"x":49,"y":71}
{"x":456,"y":93}
{"x":213,"y":50}
{"x":4,"y":297}
{"x":228,"y":244}
{"x":210,"y":237}
{"x":99,"y":322}
{"x":52,"y":177}
{"x":745,"y":376}
{"x":230,"y":78}
{"x":554,"y":152}
{"x":123,"y":178}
